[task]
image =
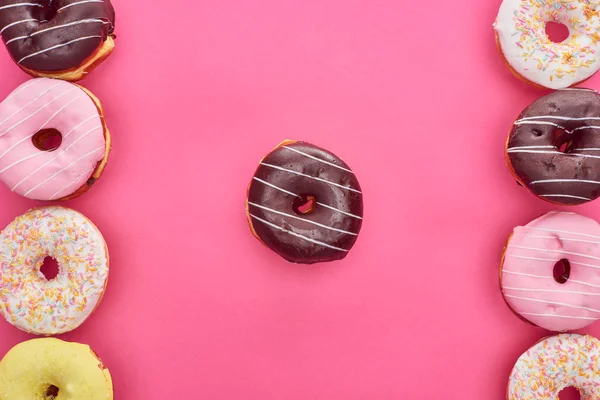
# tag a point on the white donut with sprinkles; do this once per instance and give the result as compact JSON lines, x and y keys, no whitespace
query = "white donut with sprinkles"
{"x":555,"y":363}
{"x":35,"y":304}
{"x":528,"y":51}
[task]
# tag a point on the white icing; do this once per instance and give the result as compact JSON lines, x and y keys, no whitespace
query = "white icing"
{"x":317,"y":159}
{"x":554,"y":363}
{"x":564,"y":180}
{"x":296,"y":195}
{"x":79,"y":3}
{"x":49,"y":307}
{"x":549,"y":259}
{"x":20,"y":5}
{"x":297,"y":234}
{"x":310,"y":177}
{"x":17,"y":23}
{"x":301,"y":219}
{"x":548,"y":277}
{"x":520,"y":28}
{"x":58,"y":46}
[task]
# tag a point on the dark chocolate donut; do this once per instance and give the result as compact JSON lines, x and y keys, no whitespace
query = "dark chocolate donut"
{"x":554,"y":147}
{"x":305,"y":204}
{"x":55,"y":35}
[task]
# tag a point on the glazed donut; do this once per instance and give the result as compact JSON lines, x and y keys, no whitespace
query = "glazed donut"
{"x":555,"y":363}
{"x":296,"y":175}
{"x":42,"y":110}
{"x":35,"y":304}
{"x":528,"y":52}
{"x":51,"y":369}
{"x":63,"y":39}
{"x":553,"y":148}
{"x":550,"y":271}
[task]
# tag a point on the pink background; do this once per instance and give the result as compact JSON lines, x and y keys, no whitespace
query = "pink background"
{"x":413,"y":97}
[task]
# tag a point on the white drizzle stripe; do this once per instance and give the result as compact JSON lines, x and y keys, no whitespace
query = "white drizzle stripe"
{"x":298,"y":235}
{"x":21,"y":88}
{"x":49,"y":161}
{"x":55,"y":195}
{"x":587,"y":149}
{"x":567,"y":196}
{"x":310,"y":177}
{"x":276,"y":187}
{"x":561,"y":118}
{"x":22,"y":160}
{"x":20,"y":5}
{"x":548,"y":277}
{"x":519,"y":123}
{"x":83,"y":21}
{"x":531,"y":147}
{"x":567,"y":232}
{"x":551,"y":302}
{"x":62,"y":170}
{"x":340,"y":211}
{"x":564,"y":181}
{"x":554,"y":237}
{"x":17,"y":23}
{"x":317,"y":159}
{"x":59,"y":46}
{"x":301,"y":219}
{"x":294,"y":194}
{"x":550,"y":291}
{"x":28,"y":104}
{"x":557,"y":316}
{"x":555,"y":251}
{"x":551,"y":152}
{"x":549,"y":259}
{"x":586,"y":127}
{"x":78,"y":3}
{"x":43,"y":126}
{"x":15,"y":39}
{"x":37,"y":111}
{"x":42,"y":166}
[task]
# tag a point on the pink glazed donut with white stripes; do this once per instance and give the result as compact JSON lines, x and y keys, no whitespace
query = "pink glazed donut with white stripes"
{"x":54,"y":143}
{"x":550,"y":271}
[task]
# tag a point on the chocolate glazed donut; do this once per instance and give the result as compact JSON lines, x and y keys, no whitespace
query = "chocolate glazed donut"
{"x":55,"y":38}
{"x":305,"y":204}
{"x":554,"y":147}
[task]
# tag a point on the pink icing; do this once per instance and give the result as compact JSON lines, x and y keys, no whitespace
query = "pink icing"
{"x":528,"y":282}
{"x":49,"y":104}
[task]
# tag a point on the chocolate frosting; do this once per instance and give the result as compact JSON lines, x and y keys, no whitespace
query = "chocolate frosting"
{"x":554,"y":147}
{"x":55,"y":35}
{"x":283,"y":180}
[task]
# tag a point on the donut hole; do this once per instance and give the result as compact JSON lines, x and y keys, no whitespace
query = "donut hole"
{"x":562,"y":271}
{"x":49,"y":268}
{"x":557,"y":32}
{"x":569,"y":393}
{"x":563,"y":141}
{"x":47,"y":139}
{"x":537,"y":132}
{"x":51,"y":393}
{"x":305,"y":205}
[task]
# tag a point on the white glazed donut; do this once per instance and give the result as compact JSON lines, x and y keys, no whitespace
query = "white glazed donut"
{"x":49,"y":307}
{"x":555,"y":363}
{"x":521,"y":38}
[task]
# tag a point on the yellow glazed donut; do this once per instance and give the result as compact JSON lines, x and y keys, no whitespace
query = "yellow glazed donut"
{"x":48,"y":369}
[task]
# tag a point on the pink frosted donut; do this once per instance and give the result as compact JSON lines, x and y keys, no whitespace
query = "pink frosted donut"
{"x":550,"y":272}
{"x":53,"y":140}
